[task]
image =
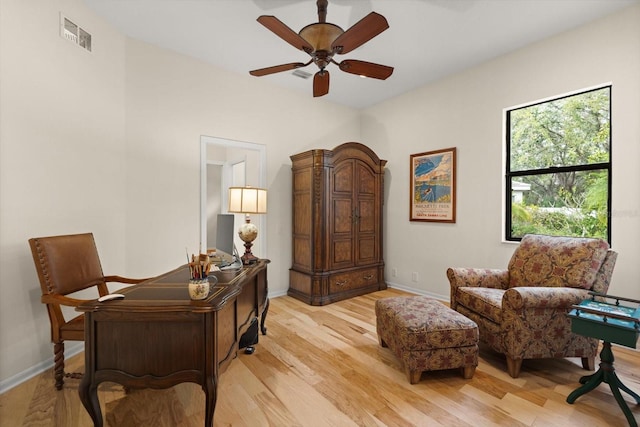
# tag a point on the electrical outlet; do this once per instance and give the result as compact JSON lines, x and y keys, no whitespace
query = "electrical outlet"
{"x":414,"y":276}
{"x":394,"y":272}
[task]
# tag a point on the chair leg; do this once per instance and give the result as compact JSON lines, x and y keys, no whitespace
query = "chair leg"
{"x":589,"y":363}
{"x":413,"y":376}
{"x":58,"y":369}
{"x":468,"y":371}
{"x":513,"y":366}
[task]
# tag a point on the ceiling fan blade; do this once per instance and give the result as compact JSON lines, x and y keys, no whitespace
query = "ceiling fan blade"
{"x":321,"y":83}
{"x":360,"y":33}
{"x":367,"y":69}
{"x":285,"y":33}
{"x":277,"y":69}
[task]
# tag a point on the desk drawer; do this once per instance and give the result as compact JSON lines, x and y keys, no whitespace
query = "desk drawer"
{"x":353,"y":280}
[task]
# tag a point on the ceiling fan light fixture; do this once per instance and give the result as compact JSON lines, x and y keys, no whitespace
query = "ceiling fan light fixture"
{"x":321,"y":35}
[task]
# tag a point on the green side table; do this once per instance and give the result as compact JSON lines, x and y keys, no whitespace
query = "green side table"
{"x":612,"y":323}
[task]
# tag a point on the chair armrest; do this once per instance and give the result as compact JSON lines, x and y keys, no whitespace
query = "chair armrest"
{"x":120,"y":279}
{"x":541,"y":297}
{"x":62,"y":300}
{"x":475,"y":277}
{"x":478,"y":277}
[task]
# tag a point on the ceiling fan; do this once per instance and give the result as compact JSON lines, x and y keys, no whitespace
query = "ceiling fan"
{"x":323,"y":40}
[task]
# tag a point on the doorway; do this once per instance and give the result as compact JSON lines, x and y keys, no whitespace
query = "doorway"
{"x":225,"y":163}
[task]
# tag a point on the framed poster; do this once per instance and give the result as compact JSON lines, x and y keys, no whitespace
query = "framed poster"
{"x":433,"y":186}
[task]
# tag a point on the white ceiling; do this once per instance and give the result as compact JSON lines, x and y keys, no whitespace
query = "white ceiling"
{"x":426,"y":39}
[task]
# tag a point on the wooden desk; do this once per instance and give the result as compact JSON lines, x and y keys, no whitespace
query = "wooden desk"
{"x":157,"y":337}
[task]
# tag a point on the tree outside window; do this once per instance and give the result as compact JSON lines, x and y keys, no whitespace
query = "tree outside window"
{"x":558,"y":167}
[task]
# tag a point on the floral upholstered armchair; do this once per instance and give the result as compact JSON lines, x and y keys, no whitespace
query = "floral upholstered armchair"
{"x":521,"y":312}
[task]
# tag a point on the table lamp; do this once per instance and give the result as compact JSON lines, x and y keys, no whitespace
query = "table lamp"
{"x":248,"y":200}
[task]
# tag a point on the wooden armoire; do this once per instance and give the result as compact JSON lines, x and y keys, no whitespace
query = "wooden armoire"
{"x":337,"y":224}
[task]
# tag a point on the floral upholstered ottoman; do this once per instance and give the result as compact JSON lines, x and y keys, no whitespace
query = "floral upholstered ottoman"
{"x":426,"y":335}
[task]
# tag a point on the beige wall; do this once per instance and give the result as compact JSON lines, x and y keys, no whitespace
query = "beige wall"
{"x":126,"y":165}
{"x":171,"y":101}
{"x":109,"y":142}
{"x":62,"y":158}
{"x":466,"y":111}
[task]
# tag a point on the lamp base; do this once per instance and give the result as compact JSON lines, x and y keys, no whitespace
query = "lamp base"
{"x":248,"y":232}
{"x":248,"y":257}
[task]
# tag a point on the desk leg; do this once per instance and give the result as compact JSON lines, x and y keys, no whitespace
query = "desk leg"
{"x":607,"y":374}
{"x":89,"y":398}
{"x":210,"y":393}
{"x":263,"y":329}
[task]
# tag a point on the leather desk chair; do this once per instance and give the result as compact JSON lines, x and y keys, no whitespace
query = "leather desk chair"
{"x":65,"y":265}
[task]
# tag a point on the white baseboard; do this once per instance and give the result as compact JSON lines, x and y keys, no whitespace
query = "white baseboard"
{"x":445,"y":298}
{"x":277,"y":294}
{"x":69,"y":351}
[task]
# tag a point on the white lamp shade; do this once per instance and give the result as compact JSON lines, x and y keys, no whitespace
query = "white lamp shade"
{"x":247,"y":200}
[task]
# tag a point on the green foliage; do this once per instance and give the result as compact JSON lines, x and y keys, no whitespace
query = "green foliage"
{"x":563,"y":222}
{"x":572,"y":131}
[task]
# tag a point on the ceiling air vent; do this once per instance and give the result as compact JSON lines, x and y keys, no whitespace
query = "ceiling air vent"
{"x":72,"y":32}
{"x":301,"y":74}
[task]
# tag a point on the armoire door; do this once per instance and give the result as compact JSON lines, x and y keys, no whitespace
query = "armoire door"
{"x":353,"y":215}
{"x":367,"y":218}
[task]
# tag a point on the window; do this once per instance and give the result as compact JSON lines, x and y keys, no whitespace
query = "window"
{"x":558,"y":167}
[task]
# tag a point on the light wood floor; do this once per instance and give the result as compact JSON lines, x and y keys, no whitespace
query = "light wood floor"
{"x":322,"y":366}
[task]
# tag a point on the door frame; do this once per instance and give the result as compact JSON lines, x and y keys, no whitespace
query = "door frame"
{"x":259,"y":220}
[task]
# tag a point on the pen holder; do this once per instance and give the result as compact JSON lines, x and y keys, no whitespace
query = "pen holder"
{"x":198,"y":289}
